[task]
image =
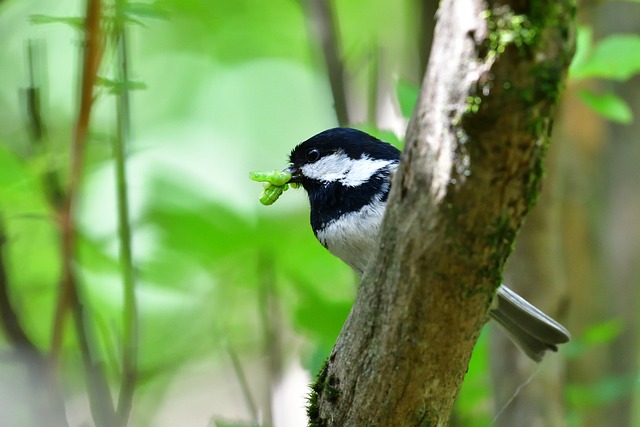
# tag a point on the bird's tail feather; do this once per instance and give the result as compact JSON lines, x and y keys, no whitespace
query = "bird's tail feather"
{"x":529,"y":328}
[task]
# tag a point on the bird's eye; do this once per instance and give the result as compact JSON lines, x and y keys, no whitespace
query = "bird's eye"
{"x":312,"y":154}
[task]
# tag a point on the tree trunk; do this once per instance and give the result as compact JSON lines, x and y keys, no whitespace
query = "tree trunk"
{"x":470,"y":172}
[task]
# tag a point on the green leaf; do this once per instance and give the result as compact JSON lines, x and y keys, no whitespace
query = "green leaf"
{"x":603,"y":392}
{"x":146,"y":10}
{"x":608,"y":105}
{"x":407,"y":94}
{"x":20,"y":192}
{"x":584,"y":44}
{"x":381,"y":134}
{"x":135,"y":21}
{"x":117,"y":86}
{"x":617,"y":58}
{"x":473,"y":406}
{"x":603,"y":333}
{"x":600,"y":333}
{"x":74,"y":22}
{"x":319,"y":317}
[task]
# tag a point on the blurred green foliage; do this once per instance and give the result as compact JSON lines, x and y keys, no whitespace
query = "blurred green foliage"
{"x":222,"y":88}
{"x":474,"y":406}
{"x":615,"y":58}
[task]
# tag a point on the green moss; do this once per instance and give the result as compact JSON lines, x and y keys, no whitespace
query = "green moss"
{"x":546,"y":84}
{"x":469,"y":290}
{"x":507,"y":28}
{"x":552,"y":14}
{"x":473,"y":104}
{"x":548,"y":78}
{"x":424,"y":417}
{"x":324,"y":385}
{"x":313,"y":411}
{"x":502,"y":239}
{"x":556,"y":17}
{"x":534,"y":179}
{"x":332,"y":392}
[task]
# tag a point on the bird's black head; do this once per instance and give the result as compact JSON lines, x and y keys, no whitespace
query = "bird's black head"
{"x":342,"y":170}
{"x":338,"y":154}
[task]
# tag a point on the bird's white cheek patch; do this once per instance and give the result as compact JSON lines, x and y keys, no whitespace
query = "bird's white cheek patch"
{"x":329,"y":168}
{"x":340,"y":167}
{"x":362,"y":170}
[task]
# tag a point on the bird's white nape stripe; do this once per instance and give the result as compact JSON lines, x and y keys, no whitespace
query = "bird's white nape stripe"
{"x":340,"y":167}
{"x":362,"y":170}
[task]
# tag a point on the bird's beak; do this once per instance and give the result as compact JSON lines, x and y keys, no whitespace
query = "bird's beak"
{"x":295,"y":174}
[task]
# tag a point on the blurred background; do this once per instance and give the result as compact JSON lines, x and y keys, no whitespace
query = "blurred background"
{"x":237,"y":304}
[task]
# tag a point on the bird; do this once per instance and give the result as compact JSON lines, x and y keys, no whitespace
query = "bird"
{"x":346,"y":174}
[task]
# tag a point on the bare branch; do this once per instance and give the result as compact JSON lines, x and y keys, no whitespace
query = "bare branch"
{"x":244,"y":386}
{"x":130,"y":312}
{"x":469,"y":174}
{"x":322,"y":19}
{"x":69,"y":297}
{"x":269,"y":311}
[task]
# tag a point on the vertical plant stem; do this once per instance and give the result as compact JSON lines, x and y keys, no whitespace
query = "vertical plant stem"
{"x":374,"y":85}
{"x":244,"y":385}
{"x":130,"y":313}
{"x":322,"y":19}
{"x":100,"y":401}
{"x":270,"y":316}
{"x":93,"y":48}
{"x":45,"y":396}
{"x":9,"y":320}
{"x":426,"y":14}
{"x":37,"y":128}
{"x":34,"y":112}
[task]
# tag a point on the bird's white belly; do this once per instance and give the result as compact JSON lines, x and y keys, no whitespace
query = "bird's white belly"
{"x":353,"y":238}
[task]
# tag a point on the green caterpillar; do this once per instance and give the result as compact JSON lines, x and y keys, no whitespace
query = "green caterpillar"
{"x":275,"y":183}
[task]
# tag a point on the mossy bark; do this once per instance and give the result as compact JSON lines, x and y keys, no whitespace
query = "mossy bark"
{"x":467,"y":179}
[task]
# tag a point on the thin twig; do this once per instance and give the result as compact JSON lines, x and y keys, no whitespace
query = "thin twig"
{"x":50,"y":179}
{"x":322,"y":19}
{"x":374,"y":85}
{"x":8,"y":316}
{"x":37,"y":127}
{"x":130,"y":312}
{"x":34,"y":113}
{"x":93,"y":48}
{"x":100,"y":401}
{"x":46,"y":396}
{"x":426,"y":14}
{"x":270,"y":316}
{"x":244,"y":385}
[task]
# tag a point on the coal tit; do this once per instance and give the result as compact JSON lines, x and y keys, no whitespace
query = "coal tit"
{"x":347,"y":176}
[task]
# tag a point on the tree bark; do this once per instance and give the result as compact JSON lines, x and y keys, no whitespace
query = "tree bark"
{"x":470,"y":172}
